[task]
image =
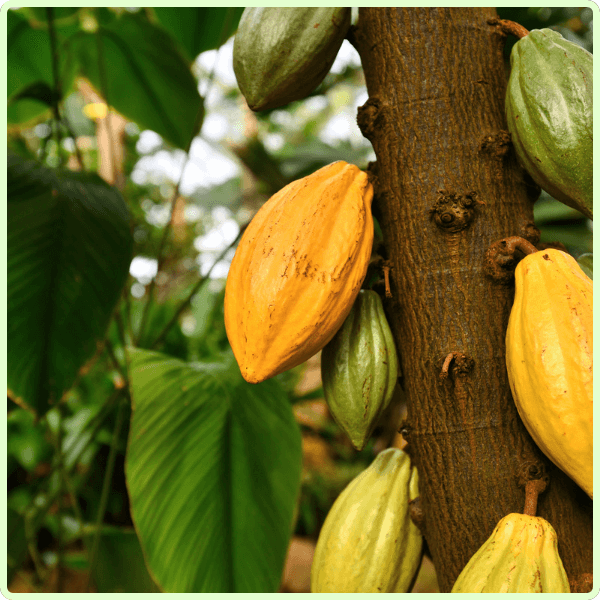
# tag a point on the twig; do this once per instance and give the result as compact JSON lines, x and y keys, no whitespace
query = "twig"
{"x":105,"y":491}
{"x":161,"y":336}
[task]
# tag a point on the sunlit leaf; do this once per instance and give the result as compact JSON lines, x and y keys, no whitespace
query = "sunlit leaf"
{"x":143,"y":75}
{"x":69,"y":249}
{"x":213,"y":472}
{"x":197,"y":28}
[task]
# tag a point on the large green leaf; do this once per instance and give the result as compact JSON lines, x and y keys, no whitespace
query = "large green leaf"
{"x":69,"y":249}
{"x":146,"y":77}
{"x":30,"y":82}
{"x":28,"y":61}
{"x":198,"y":29}
{"x":213,"y":472}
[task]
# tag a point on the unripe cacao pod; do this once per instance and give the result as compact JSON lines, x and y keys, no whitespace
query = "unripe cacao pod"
{"x":586,"y":262}
{"x":297,"y":270}
{"x":549,"y":357}
{"x":359,"y":369}
{"x":521,"y":555}
{"x":283,"y":54}
{"x":368,"y":542}
{"x":549,"y":110}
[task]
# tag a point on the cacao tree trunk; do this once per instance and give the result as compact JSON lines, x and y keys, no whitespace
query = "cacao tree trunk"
{"x":447,"y":187}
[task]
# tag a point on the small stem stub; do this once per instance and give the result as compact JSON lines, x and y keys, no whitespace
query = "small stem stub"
{"x":500,"y":258}
{"x":509,"y":27}
{"x":462,"y":364}
{"x":533,"y":488}
{"x":386,"y":276}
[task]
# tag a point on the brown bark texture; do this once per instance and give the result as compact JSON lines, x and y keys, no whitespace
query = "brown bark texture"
{"x":447,"y":186}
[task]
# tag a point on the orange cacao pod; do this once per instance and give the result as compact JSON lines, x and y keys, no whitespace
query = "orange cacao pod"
{"x":549,"y":358}
{"x":298,"y":269}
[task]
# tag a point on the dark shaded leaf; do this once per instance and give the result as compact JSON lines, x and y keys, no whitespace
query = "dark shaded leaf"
{"x":69,"y":249}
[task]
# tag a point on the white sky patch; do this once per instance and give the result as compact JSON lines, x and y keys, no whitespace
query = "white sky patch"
{"x":206,"y":167}
{"x":215,"y":127}
{"x":224,"y":67}
{"x":218,"y":238}
{"x":220,"y":270}
{"x":338,"y":128}
{"x":143,"y":268}
{"x":148,"y":141}
{"x":346,"y":56}
{"x":274,"y":142}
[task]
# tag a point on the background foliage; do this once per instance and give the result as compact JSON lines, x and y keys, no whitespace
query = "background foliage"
{"x":115,"y":304}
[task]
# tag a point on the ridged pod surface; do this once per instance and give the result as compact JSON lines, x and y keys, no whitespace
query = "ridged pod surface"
{"x":368,"y":542}
{"x":549,"y":110}
{"x":359,"y":368}
{"x":298,"y":269}
{"x":283,"y":54}
{"x":549,"y":357}
{"x":521,"y":556}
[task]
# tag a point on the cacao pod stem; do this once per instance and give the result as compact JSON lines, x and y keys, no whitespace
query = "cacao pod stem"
{"x":500,"y":256}
{"x":509,"y":27}
{"x":533,"y":489}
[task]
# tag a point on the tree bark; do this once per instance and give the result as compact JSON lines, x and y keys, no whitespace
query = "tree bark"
{"x":447,"y":187}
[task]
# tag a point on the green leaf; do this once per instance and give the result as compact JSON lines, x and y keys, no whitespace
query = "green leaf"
{"x":38,"y":90}
{"x":16,"y":542}
{"x":199,"y":29}
{"x":29,"y":68}
{"x":120,"y":566}
{"x":586,"y":262}
{"x":69,"y":249}
{"x":213,"y":473}
{"x":28,"y":61}
{"x":147,"y":79}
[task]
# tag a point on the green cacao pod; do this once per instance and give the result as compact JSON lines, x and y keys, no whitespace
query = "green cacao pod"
{"x":283,"y":54}
{"x":368,"y":542}
{"x":549,"y":109}
{"x":521,"y":555}
{"x":586,"y":262}
{"x":359,"y":369}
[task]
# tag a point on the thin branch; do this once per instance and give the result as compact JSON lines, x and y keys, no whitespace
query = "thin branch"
{"x":160,"y":254}
{"x":118,"y":366}
{"x":105,"y":491}
{"x":194,"y":291}
{"x":59,"y":516}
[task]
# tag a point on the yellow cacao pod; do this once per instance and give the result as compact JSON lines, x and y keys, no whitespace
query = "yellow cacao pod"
{"x":368,"y":542}
{"x":549,"y":351}
{"x":297,"y":270}
{"x":521,"y":555}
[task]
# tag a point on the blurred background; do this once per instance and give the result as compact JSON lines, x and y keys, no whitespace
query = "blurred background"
{"x":202,"y":198}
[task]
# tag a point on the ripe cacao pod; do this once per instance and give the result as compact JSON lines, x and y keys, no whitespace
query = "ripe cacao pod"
{"x":359,"y":368}
{"x":368,"y":542}
{"x":521,"y":556}
{"x":297,"y":270}
{"x":549,"y":352}
{"x":283,"y":54}
{"x":586,"y":262}
{"x":549,"y":109}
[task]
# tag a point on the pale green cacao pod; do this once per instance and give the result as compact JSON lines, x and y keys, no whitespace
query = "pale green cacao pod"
{"x":368,"y":542}
{"x":549,"y":110}
{"x":359,"y":369}
{"x":521,"y":555}
{"x":283,"y":54}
